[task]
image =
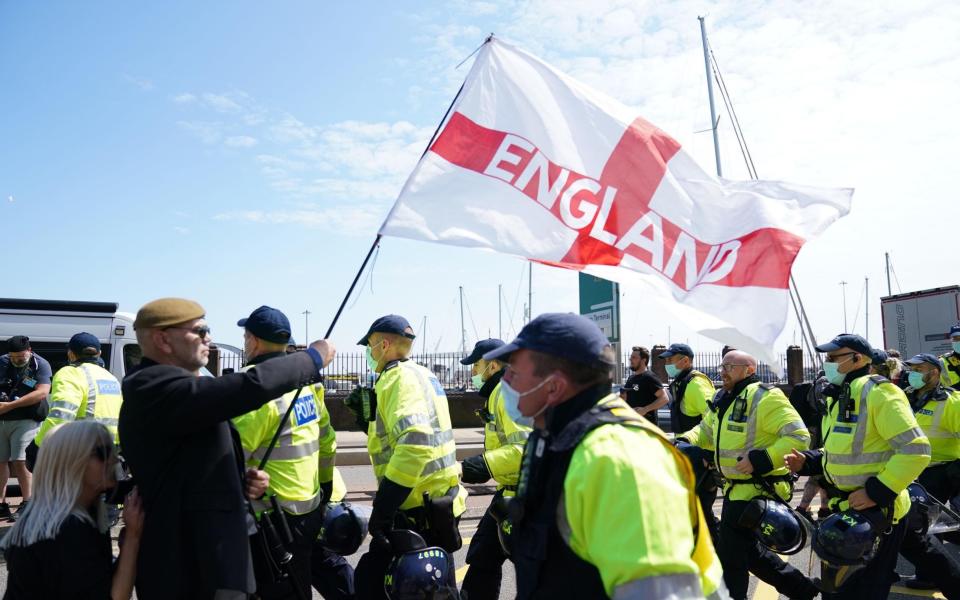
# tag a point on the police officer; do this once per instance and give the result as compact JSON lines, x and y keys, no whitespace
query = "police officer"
{"x":751,"y":426}
{"x":414,"y":456}
{"x":950,"y":373}
{"x":503,"y":440}
{"x":937,"y":409}
{"x":302,"y":461}
{"x":873,"y":449}
{"x":690,"y":394}
{"x":605,"y":505}
{"x":83,"y":389}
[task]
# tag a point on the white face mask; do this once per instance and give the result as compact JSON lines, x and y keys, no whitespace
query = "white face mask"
{"x":511,"y":402}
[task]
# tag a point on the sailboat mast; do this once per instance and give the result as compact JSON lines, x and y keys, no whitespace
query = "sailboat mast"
{"x":713,"y":109}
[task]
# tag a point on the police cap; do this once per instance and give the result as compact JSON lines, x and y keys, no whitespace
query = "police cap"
{"x":930,"y":359}
{"x":167,"y":312}
{"x":389,"y":324}
{"x":565,"y":335}
{"x":675,"y":349}
{"x":268,"y":324}
{"x":81,"y":341}
{"x":481,"y":348}
{"x":955,"y":331}
{"x":847,"y":340}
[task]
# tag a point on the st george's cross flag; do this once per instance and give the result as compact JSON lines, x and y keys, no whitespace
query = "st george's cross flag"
{"x":533,"y":163}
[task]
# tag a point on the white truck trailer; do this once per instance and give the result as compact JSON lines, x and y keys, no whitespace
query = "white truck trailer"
{"x":920,"y":321}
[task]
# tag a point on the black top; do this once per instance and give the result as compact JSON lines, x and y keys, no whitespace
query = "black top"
{"x":76,"y":565}
{"x":185,"y":458}
{"x":17,"y":382}
{"x":642,"y":390}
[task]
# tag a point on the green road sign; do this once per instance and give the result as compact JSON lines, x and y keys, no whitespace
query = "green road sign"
{"x":600,"y":302}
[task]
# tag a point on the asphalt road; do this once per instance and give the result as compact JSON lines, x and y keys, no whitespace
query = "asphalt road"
{"x":361,"y":483}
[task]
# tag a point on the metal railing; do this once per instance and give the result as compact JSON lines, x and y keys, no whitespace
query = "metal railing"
{"x":349,"y":369}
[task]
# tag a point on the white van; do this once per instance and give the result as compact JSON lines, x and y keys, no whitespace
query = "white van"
{"x":50,"y":324}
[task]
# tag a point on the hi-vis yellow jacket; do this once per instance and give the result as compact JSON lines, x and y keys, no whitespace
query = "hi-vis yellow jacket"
{"x":950,"y":371}
{"x":877,"y":437}
{"x":503,"y":440}
{"x":305,"y":452}
{"x":760,"y":418}
{"x":939,"y":418}
{"x":411,"y":441}
{"x":83,"y":391}
{"x":629,"y":508}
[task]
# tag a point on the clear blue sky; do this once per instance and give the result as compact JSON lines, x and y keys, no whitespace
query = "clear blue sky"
{"x":245,"y":153}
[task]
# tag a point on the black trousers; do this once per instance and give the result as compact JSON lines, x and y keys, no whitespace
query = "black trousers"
{"x":874,"y":580}
{"x":741,"y":554}
{"x":932,"y":562}
{"x":304,"y":530}
{"x":372,"y":567}
{"x":331,"y":574}
{"x":485,"y":557}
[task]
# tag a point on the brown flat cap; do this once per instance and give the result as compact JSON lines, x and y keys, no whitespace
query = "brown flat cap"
{"x":166,"y":312}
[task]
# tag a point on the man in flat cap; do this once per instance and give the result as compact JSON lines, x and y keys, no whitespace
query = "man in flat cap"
{"x":590,"y":467}
{"x":187,"y":459}
{"x":414,"y":455}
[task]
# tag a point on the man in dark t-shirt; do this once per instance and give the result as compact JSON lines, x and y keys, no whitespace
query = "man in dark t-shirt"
{"x":643,"y":391}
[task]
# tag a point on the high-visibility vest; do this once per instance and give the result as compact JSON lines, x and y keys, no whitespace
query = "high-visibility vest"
{"x":411,"y":440}
{"x":582,"y":488}
{"x":503,"y":440}
{"x":877,"y":437}
{"x":950,"y":371}
{"x":83,"y":391}
{"x":305,"y":452}
{"x":939,"y":418}
{"x":759,"y":418}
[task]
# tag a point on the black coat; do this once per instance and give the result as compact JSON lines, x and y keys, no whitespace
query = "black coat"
{"x":176,"y":439}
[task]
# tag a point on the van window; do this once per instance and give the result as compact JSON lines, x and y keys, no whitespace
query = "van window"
{"x":56,"y":353}
{"x":131,"y":357}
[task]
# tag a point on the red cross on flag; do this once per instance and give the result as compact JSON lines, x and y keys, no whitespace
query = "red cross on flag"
{"x":536,"y":164}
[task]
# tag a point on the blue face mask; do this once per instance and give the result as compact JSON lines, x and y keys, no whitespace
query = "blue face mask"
{"x":672,"y":371}
{"x":915,"y":379}
{"x":371,"y":362}
{"x":956,"y":347}
{"x":511,"y":403}
{"x":831,"y":371}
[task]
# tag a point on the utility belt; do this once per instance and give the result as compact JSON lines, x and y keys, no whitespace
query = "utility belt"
{"x":765,"y":483}
{"x":435,"y":520}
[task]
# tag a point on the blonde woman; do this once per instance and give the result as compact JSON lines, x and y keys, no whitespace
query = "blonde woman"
{"x":60,"y":547}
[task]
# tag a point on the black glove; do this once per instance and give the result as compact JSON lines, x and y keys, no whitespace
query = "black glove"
{"x":327,"y":490}
{"x":386,"y":503}
{"x":362,"y":402}
{"x":475,"y":470}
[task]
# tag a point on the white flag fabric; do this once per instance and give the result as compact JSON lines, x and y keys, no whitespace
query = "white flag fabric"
{"x":536,"y":164}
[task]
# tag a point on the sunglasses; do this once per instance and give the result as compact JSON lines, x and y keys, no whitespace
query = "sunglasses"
{"x":102,"y":452}
{"x":200,"y":331}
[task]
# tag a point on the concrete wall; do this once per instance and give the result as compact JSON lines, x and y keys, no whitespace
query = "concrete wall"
{"x":462,"y":408}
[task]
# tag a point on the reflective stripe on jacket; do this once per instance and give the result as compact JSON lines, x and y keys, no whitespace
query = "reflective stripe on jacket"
{"x":411,"y":441}
{"x":83,"y":391}
{"x":503,"y":441}
{"x":305,"y":452}
{"x":766,"y":422}
{"x":879,"y":438}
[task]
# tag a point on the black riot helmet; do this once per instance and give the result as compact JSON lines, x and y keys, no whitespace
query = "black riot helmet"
{"x":924,"y":509}
{"x":775,"y":525}
{"x":418,"y":572}
{"x":344,"y":527}
{"x":845,"y":543}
